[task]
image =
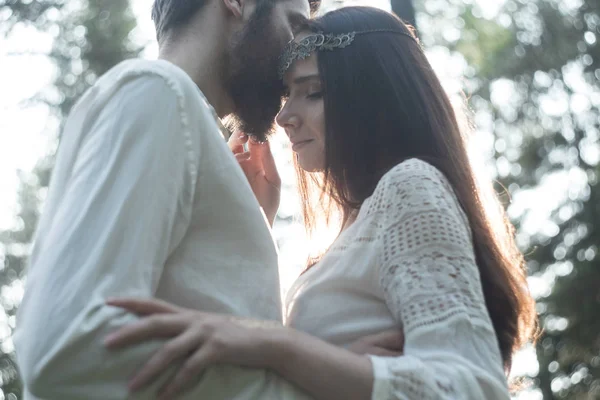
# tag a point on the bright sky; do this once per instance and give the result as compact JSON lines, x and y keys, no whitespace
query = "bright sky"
{"x":25,"y":133}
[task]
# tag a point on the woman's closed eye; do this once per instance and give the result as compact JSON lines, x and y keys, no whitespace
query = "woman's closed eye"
{"x":309,"y":91}
{"x":314,"y":91}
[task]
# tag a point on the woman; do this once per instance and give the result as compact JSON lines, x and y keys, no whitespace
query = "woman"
{"x":418,"y":249}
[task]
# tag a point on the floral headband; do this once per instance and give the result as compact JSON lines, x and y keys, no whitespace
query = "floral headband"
{"x":320,"y":41}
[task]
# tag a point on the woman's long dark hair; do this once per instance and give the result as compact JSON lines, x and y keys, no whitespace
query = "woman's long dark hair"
{"x":383,"y":105}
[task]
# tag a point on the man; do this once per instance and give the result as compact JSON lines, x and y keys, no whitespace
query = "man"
{"x":147,"y":200}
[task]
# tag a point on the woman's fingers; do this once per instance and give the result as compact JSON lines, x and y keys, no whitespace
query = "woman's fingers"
{"x":156,"y":326}
{"x":236,"y":142}
{"x":143,"y":306}
{"x":262,"y":152}
{"x":243,"y":156}
{"x":190,"y":370}
{"x":173,"y":350}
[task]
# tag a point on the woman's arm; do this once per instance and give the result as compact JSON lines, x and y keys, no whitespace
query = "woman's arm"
{"x":430,"y":280}
{"x":323,"y":370}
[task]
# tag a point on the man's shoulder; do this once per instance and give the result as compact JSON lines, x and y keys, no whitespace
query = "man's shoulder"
{"x":162,"y":73}
{"x":140,"y":69}
{"x":138,"y":81}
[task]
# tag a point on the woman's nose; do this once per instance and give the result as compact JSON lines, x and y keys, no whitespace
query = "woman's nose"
{"x":287,"y":118}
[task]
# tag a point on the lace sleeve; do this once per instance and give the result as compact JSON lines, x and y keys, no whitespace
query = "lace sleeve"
{"x":432,"y":287}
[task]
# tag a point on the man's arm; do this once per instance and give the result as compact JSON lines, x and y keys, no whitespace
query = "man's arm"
{"x":126,"y":206}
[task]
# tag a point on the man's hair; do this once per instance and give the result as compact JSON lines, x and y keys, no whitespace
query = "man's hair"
{"x":169,"y":15}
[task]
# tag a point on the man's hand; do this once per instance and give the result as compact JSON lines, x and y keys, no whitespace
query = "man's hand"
{"x":259,"y":166}
{"x":385,"y":344}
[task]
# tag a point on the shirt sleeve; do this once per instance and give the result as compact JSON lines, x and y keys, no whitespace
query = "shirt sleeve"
{"x":432,"y":287}
{"x":125,"y":206}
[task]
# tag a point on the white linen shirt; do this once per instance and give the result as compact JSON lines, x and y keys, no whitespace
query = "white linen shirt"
{"x":146,"y":200}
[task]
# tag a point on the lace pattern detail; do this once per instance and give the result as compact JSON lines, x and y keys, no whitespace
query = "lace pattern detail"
{"x":413,"y":384}
{"x":428,"y":270}
{"x":431,"y":284}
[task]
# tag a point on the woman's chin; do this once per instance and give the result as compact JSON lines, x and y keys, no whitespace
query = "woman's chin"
{"x":310,"y":166}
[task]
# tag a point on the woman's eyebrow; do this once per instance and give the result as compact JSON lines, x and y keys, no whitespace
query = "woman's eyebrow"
{"x":301,"y":79}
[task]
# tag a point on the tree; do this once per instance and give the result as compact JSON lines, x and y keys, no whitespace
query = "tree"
{"x":537,"y":68}
{"x":34,"y":12}
{"x":91,"y":36}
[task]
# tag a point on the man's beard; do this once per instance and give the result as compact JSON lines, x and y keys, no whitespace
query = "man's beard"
{"x":253,"y":81}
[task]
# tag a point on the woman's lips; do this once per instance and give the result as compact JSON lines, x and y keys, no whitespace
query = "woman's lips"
{"x":298,"y":145}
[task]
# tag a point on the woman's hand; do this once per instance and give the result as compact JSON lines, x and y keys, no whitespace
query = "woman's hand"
{"x":199,"y":339}
{"x":259,"y":166}
{"x":385,"y":344}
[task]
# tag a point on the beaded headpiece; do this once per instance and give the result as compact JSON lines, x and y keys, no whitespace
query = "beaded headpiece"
{"x":320,"y":41}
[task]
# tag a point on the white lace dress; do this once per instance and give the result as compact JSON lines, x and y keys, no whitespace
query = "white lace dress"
{"x":407,"y":261}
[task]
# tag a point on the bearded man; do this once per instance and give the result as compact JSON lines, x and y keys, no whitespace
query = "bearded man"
{"x":147,"y":200}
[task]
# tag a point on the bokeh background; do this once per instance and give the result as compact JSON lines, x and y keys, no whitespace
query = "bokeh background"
{"x":530,"y":70}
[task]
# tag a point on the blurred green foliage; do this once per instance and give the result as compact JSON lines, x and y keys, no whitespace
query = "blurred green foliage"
{"x":533,"y":68}
{"x":90,"y":37}
{"x":536,"y":83}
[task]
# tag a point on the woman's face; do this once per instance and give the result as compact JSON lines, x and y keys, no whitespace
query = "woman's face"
{"x":303,"y":116}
